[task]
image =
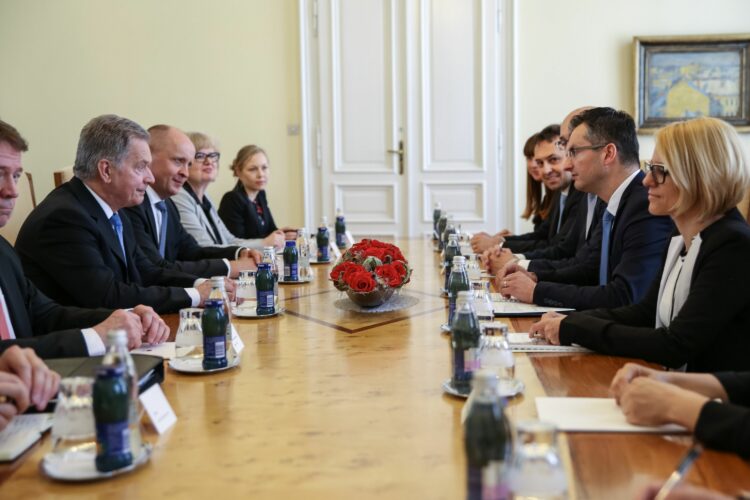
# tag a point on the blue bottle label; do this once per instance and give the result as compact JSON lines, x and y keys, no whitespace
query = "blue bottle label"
{"x":113,"y":438}
{"x":265,"y":298}
{"x":215,"y":347}
{"x":340,"y":240}
{"x":322,"y":254}
{"x":291,"y":272}
{"x":451,"y":308}
{"x":488,"y":482}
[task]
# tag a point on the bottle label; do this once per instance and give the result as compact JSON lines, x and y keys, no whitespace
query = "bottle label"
{"x":265,"y":298}
{"x":113,"y":438}
{"x":340,"y":240}
{"x":488,"y":482}
{"x":215,"y":347}
{"x":471,"y":360}
{"x":323,"y":254}
{"x":291,"y":272}
{"x":451,"y":308}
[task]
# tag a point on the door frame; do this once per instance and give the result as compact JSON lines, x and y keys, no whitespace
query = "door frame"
{"x":511,"y":180}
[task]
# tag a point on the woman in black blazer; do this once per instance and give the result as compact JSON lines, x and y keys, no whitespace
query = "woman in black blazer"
{"x":244,"y":209}
{"x":697,"y":313}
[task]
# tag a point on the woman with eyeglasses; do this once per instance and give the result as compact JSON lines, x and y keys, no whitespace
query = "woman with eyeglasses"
{"x":198,"y":214}
{"x":697,"y":312}
{"x":245,"y":209}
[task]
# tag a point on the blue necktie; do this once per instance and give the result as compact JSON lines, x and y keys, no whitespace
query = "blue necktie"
{"x":117,"y":226}
{"x":604,"y":260}
{"x":563,"y":197}
{"x":162,"y":207}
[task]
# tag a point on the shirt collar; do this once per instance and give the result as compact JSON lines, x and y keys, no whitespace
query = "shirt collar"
{"x":614,"y":201}
{"x":103,"y":204}
{"x":153,"y":198}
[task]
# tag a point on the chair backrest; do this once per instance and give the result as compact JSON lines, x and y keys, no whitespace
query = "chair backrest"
{"x":25,"y":203}
{"x":63,"y":175}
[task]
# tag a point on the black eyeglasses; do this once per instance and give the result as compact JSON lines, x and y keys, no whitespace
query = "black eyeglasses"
{"x":572,"y":152}
{"x":658,"y":171}
{"x":214,"y":157}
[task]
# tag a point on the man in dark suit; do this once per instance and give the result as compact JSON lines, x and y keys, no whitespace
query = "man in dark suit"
{"x":77,"y":248}
{"x":156,"y":221}
{"x":603,"y":148}
{"x":29,"y":318}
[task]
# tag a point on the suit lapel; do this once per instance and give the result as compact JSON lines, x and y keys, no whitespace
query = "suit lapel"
{"x":146,"y":207}
{"x":100,"y":220}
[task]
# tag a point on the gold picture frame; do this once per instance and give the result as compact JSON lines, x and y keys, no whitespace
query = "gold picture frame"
{"x":680,"y":77}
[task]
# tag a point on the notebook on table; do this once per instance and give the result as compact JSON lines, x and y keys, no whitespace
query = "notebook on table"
{"x":22,"y":432}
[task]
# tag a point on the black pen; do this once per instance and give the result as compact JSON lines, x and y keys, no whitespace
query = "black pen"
{"x":676,"y":476}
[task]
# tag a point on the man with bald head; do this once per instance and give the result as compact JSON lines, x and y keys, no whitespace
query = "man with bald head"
{"x":78,"y":248}
{"x":156,"y":221}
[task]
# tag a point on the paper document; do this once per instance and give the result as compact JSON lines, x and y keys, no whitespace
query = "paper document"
{"x":510,"y":307}
{"x":520,"y":342}
{"x":593,"y":415}
{"x":166,"y":350}
{"x":22,"y":432}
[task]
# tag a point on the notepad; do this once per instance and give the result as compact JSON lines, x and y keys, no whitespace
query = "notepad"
{"x":520,"y":342}
{"x":21,"y":433}
{"x":593,"y":415}
{"x":164,"y":350}
{"x":509,"y":307}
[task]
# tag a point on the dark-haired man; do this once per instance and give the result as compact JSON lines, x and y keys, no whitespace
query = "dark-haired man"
{"x":559,"y":224}
{"x":603,"y":149}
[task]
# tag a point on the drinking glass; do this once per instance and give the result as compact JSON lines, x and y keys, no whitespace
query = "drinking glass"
{"x":189,"y":337}
{"x":73,"y":430}
{"x":473,"y":268}
{"x":496,"y":356}
{"x":537,"y":471}
{"x":483,"y":300}
{"x":246,"y":287}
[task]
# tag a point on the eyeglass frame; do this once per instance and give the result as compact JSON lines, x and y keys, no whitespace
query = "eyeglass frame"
{"x":202,"y":157}
{"x":572,"y":152}
{"x":657,"y":171}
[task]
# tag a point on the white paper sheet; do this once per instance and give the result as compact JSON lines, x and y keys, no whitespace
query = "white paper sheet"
{"x":165,"y":350}
{"x":520,"y":342}
{"x":504,"y":307}
{"x":593,"y":415}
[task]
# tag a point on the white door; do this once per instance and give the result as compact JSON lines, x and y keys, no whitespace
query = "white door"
{"x":401,"y":110}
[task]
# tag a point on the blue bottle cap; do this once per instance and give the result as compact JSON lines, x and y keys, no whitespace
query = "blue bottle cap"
{"x":291,"y":243}
{"x":213,"y":303}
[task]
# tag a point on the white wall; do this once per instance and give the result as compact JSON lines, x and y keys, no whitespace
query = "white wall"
{"x":229,"y":68}
{"x":580,"y":52}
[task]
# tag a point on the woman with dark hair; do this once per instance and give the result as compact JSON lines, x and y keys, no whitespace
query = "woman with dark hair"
{"x":537,"y":206}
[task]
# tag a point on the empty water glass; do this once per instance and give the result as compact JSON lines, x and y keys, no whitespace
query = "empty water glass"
{"x":483,"y":300}
{"x":189,"y":337}
{"x":537,"y":470}
{"x":496,"y":356}
{"x":472,"y":267}
{"x":246,"y":286}
{"x":73,"y":430}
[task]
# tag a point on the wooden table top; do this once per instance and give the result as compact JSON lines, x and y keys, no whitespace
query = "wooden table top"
{"x":330,"y":404}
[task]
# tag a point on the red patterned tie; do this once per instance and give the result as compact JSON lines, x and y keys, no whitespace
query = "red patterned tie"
{"x":4,"y":331}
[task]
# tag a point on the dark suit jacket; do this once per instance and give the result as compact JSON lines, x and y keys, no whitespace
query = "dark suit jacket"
{"x":637,"y":242}
{"x":726,"y":426}
{"x":70,"y":251}
{"x":546,"y":234}
{"x":587,"y":252}
{"x":572,"y":231}
{"x":52,"y":330}
{"x":241,"y":217}
{"x":181,"y":252}
{"x":712,"y":330}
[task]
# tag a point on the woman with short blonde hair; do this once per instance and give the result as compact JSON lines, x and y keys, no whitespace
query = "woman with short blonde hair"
{"x":697,"y":312}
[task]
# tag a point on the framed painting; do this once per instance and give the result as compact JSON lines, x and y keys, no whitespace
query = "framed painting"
{"x":677,"y":78}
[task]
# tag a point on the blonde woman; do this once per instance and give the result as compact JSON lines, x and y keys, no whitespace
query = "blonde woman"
{"x":245,"y":209}
{"x":198,"y":214}
{"x":697,"y":312}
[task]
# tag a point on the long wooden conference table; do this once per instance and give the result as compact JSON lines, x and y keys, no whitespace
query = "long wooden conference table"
{"x":329,"y":403}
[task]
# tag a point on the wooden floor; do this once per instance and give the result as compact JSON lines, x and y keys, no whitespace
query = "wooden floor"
{"x":334,"y":404}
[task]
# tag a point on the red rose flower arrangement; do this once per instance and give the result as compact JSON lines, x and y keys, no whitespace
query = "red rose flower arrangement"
{"x":371,"y":265}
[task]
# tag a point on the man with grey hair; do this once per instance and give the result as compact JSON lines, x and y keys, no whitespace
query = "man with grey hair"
{"x":76,"y":247}
{"x":29,"y":318}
